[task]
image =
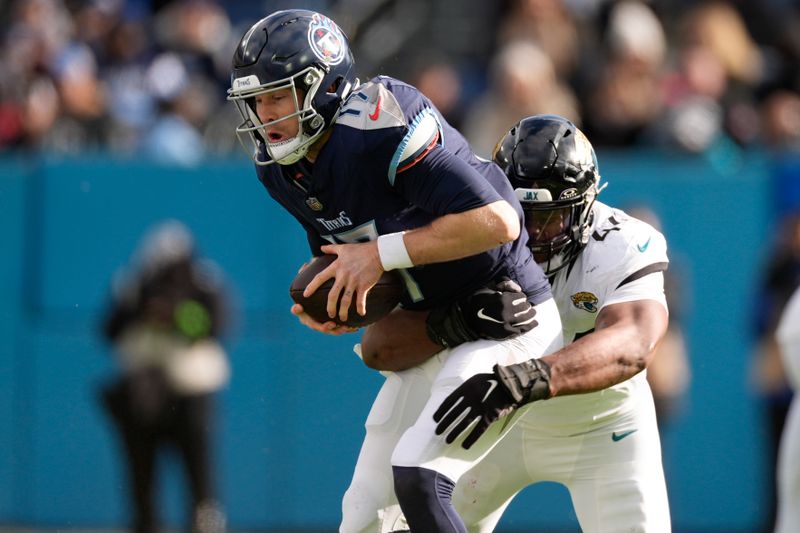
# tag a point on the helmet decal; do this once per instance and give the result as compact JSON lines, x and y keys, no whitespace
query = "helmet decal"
{"x":247,"y":82}
{"x":533,"y":195}
{"x":568,"y":194}
{"x":326,"y":40}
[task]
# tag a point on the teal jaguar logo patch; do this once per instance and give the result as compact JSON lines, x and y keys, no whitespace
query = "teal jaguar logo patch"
{"x":585,"y":300}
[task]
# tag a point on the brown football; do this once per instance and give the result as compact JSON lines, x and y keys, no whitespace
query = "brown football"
{"x":381,"y":299}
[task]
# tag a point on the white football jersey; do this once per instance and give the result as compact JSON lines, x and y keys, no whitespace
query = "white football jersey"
{"x":788,"y":335}
{"x":623,"y":261}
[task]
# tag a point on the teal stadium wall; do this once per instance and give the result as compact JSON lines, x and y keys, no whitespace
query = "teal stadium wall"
{"x":291,"y":421}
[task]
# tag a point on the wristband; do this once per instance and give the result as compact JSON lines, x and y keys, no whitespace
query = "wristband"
{"x":392,"y":251}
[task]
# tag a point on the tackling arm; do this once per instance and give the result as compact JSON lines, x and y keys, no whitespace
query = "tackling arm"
{"x":398,"y":341}
{"x":620,"y":347}
{"x":407,"y":338}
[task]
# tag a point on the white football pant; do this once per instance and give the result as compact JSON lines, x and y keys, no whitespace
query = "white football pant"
{"x":400,"y":430}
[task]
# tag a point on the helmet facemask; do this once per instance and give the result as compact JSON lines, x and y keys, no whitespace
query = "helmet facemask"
{"x":557,"y":230}
{"x":310,"y":123}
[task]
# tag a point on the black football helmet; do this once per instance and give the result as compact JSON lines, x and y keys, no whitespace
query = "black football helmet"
{"x":553,"y":169}
{"x":291,"y":49}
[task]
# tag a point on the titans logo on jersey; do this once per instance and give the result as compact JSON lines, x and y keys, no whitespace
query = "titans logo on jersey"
{"x":393,"y":163}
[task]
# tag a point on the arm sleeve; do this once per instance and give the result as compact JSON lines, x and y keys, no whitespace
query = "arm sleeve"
{"x":648,"y":286}
{"x":442,"y":183}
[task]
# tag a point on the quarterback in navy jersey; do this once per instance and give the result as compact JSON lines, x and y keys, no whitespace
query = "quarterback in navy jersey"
{"x":392,"y":163}
{"x":377,"y":177}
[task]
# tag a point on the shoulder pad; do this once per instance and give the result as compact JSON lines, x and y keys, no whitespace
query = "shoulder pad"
{"x":621,"y":245}
{"x":371,"y":107}
{"x":423,"y":134}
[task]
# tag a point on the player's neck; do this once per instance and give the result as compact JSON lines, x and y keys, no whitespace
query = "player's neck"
{"x":314,"y":149}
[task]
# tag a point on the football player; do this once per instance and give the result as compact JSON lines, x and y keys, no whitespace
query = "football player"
{"x":597,"y":432}
{"x":377,"y":177}
{"x":788,"y":468}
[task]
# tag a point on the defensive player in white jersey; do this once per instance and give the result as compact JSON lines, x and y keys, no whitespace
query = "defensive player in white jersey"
{"x":788,"y":474}
{"x":597,"y":432}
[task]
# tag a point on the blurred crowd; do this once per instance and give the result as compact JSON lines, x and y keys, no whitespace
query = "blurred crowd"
{"x":149,"y":76}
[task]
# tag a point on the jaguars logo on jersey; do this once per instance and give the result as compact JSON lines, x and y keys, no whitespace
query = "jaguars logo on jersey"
{"x":585,"y":300}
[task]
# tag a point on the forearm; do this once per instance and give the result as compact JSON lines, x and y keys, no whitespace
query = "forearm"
{"x":464,"y":234}
{"x":599,"y":360}
{"x":398,"y":342}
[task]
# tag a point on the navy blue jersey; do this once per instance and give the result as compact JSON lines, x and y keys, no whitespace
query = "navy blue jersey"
{"x":392,"y":163}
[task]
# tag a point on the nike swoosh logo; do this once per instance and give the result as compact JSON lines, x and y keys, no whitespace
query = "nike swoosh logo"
{"x":484,"y":316}
{"x":643,"y":247}
{"x":374,"y":115}
{"x":616,"y":437}
{"x":492,"y":385}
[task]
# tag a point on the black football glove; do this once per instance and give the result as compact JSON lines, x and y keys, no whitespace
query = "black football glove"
{"x":498,"y":311}
{"x":488,"y":397}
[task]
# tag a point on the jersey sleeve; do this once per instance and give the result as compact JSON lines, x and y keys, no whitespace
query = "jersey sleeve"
{"x":427,"y":171}
{"x":399,"y":138}
{"x":442,"y":183}
{"x":640,"y":275}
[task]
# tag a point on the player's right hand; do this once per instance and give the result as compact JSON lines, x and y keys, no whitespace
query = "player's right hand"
{"x":484,"y":398}
{"x":498,"y":311}
{"x":329,"y":328}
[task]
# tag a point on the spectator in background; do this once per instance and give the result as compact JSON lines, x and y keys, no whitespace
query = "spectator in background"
{"x":782,"y":275}
{"x":184,"y":107}
{"x":781,"y":135}
{"x":164,"y":322}
{"x":523,"y":82}
{"x":709,"y":95}
{"x":547,"y":24}
{"x":624,"y":96}
{"x":441,"y":82}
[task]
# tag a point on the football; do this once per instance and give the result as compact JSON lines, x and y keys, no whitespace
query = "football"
{"x":381,"y":299}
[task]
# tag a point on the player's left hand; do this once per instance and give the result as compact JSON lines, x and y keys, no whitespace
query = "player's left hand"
{"x":485,"y":398}
{"x":356,"y":270}
{"x":329,"y":328}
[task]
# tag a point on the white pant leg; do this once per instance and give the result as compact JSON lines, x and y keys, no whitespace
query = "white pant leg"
{"x":616,"y":484}
{"x":395,"y":408}
{"x":485,"y":490}
{"x":788,"y":474}
{"x":420,"y":446}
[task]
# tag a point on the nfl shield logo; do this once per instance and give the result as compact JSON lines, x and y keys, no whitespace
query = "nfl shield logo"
{"x":326,"y":40}
{"x":313,"y":203}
